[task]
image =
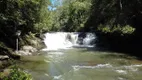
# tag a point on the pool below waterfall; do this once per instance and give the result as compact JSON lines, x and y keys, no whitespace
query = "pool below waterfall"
{"x":73,"y":56}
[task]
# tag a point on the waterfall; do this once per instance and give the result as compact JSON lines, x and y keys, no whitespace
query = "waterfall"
{"x":66,"y":40}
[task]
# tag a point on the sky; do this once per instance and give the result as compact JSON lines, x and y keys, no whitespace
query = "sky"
{"x":54,"y":4}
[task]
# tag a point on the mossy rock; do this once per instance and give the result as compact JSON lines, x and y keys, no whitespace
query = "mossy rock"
{"x":31,"y":40}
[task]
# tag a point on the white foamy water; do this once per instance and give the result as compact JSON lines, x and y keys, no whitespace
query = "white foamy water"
{"x":121,"y":71}
{"x":66,"y":40}
{"x":118,"y":69}
{"x":133,"y":67}
{"x":89,"y":38}
{"x":57,"y":77}
{"x":55,"y":53}
{"x":77,"y":67}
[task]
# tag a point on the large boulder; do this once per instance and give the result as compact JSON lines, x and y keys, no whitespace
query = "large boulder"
{"x":29,"y":49}
{"x":26,"y":50}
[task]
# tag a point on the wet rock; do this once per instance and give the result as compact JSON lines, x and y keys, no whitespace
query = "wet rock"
{"x":26,"y":50}
{"x":29,"y":49}
{"x":4,"y":57}
{"x":23,"y":53}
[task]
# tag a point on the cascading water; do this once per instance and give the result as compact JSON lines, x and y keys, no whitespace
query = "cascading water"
{"x":88,"y":39}
{"x":65,"y":40}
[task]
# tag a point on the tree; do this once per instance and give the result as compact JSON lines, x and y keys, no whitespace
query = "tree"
{"x":73,"y":14}
{"x":21,"y":15}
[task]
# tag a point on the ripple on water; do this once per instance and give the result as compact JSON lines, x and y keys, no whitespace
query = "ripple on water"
{"x":126,"y":69}
{"x":120,"y":78}
{"x":121,"y":71}
{"x":77,"y":67}
{"x":55,"y":53}
{"x":57,"y":77}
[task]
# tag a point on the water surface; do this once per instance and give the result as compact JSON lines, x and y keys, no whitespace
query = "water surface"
{"x":82,"y":64}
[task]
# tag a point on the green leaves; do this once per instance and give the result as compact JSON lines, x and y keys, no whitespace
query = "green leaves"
{"x":127,"y":29}
{"x":15,"y":74}
{"x":85,"y":5}
{"x":74,"y":14}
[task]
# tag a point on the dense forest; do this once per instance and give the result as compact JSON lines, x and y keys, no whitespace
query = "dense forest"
{"x":115,"y":22}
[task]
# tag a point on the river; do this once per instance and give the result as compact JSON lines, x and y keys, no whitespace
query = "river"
{"x":66,"y":58}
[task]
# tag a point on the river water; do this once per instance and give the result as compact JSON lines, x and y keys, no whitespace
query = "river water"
{"x":69,"y":57}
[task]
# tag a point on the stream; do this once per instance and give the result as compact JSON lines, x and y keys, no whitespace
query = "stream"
{"x":73,"y":56}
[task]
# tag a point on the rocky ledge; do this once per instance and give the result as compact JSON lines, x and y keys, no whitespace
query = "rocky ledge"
{"x":27,"y":50}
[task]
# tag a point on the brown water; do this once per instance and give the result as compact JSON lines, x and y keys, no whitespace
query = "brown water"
{"x":82,"y":64}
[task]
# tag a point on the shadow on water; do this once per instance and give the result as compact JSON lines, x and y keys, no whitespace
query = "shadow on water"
{"x":133,"y":52}
{"x":132,"y":49}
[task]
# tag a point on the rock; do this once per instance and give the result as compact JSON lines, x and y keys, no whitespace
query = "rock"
{"x":29,"y":49}
{"x":26,"y":50}
{"x":23,"y":53}
{"x":4,"y":57}
{"x":34,"y":42}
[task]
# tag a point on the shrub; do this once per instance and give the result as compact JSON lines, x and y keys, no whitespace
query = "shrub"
{"x":127,"y":29}
{"x":15,"y":74}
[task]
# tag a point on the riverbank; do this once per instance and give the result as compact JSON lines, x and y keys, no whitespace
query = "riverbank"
{"x":29,"y":45}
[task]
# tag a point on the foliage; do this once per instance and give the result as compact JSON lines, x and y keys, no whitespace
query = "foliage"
{"x":102,"y":16}
{"x":15,"y":74}
{"x":24,"y":15}
{"x":128,"y":29}
{"x":123,"y":30}
{"x":73,"y":15}
{"x":114,"y":13}
{"x":88,"y":15}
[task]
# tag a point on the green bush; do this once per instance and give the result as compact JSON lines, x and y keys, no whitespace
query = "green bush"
{"x":127,"y":29}
{"x":15,"y":74}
